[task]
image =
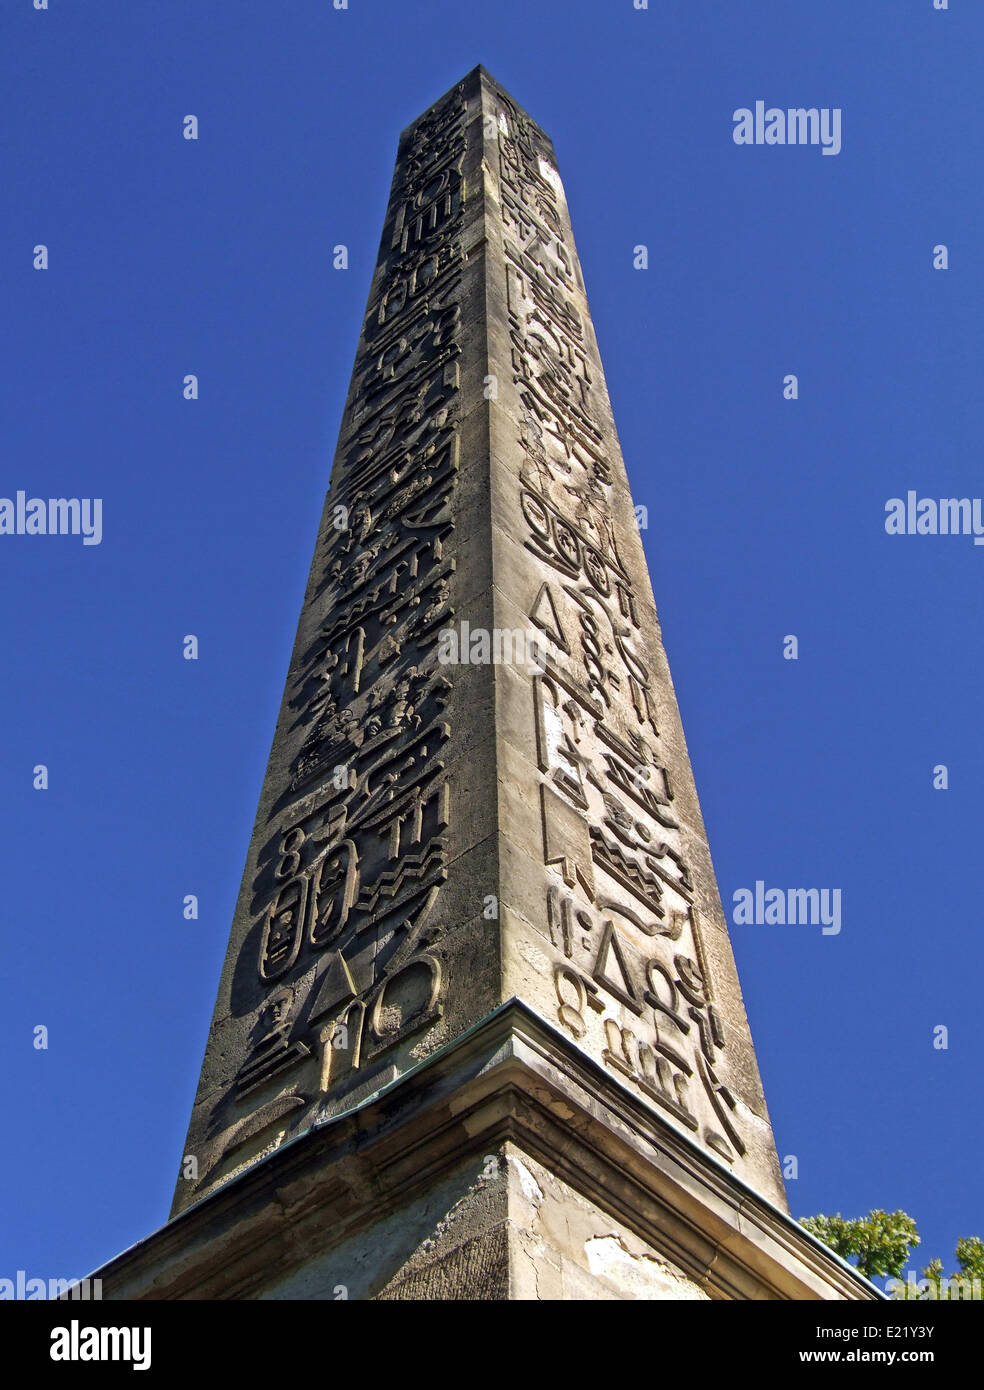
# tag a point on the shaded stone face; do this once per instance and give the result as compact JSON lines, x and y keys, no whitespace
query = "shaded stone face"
{"x":479,"y":786}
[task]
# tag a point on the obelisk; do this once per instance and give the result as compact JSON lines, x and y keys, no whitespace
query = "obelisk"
{"x":479,"y":1032}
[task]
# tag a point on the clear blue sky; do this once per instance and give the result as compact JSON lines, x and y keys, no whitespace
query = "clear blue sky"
{"x":766,"y":517}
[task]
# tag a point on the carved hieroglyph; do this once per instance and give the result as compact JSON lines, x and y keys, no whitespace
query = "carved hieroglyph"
{"x":435,"y":836}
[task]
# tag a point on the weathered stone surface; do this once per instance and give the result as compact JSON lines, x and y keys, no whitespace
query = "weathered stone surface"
{"x":456,"y":839}
{"x":434,"y":837}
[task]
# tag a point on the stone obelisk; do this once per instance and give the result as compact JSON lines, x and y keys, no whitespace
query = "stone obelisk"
{"x":479,"y":1032}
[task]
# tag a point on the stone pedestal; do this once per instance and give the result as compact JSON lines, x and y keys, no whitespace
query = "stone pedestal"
{"x":508,"y":1165}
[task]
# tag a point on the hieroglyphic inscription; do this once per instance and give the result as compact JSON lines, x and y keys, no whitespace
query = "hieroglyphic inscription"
{"x":359,"y":850}
{"x":355,"y":915}
{"x":631,"y":977}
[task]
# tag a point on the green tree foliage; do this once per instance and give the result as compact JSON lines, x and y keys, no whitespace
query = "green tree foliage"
{"x":878,"y":1243}
{"x":965,"y":1285}
{"x":881,"y":1242}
